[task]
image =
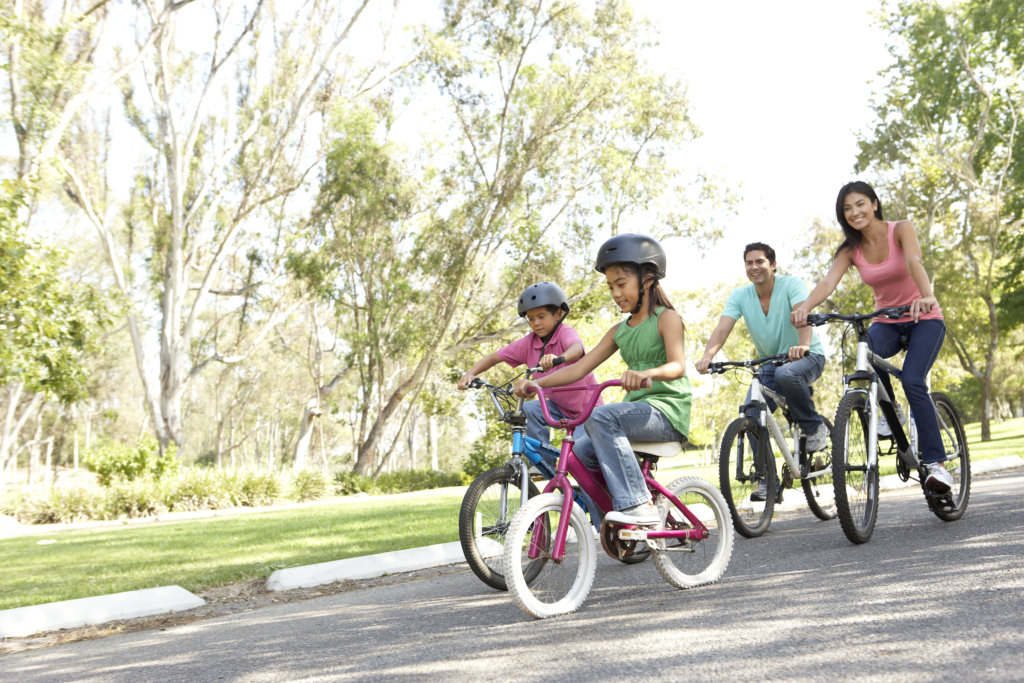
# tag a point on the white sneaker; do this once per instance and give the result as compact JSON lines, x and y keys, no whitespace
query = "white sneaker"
{"x":644,"y":514}
{"x":817,"y":441}
{"x":938,"y":478}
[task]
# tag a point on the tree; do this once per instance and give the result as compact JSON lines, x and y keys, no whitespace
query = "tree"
{"x":947,"y":137}
{"x":551,"y":129}
{"x":47,"y":327}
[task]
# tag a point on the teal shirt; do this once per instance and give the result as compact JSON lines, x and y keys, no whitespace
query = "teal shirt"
{"x":642,"y":348}
{"x":772,"y":333}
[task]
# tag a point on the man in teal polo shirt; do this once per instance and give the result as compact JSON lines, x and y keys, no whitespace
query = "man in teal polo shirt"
{"x":765,"y":305}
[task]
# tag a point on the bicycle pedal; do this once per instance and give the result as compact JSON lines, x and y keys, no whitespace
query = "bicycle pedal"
{"x":633,"y":534}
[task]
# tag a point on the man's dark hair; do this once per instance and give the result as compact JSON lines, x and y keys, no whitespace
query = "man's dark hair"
{"x":760,"y":246}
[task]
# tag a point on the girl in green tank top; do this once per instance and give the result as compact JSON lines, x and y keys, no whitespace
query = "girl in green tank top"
{"x":657,"y":403}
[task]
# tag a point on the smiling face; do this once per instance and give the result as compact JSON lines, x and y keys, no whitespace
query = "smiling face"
{"x":759,"y":269}
{"x":859,"y":210}
{"x":542,"y":321}
{"x":624,"y":286}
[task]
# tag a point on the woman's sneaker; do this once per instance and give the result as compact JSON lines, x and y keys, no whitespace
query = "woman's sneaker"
{"x":937,"y":478}
{"x":644,"y":514}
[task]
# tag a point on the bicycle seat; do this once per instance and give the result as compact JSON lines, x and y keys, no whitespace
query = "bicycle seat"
{"x":659,"y":449}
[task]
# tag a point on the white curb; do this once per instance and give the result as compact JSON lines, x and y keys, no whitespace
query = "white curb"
{"x":24,"y":621}
{"x":366,"y":567}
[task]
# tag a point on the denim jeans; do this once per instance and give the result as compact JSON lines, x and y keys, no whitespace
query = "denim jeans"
{"x":536,"y":426}
{"x":605,"y":445}
{"x":793,"y":380}
{"x":922,"y":340}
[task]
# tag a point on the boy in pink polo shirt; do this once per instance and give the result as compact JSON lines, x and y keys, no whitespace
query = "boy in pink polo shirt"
{"x":544,"y":306}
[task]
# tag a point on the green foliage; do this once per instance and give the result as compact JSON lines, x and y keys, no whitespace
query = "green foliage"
{"x":418,"y":480}
{"x":48,"y":327}
{"x":309,"y":485}
{"x":490,"y":449}
{"x":115,"y":461}
{"x":348,"y":483}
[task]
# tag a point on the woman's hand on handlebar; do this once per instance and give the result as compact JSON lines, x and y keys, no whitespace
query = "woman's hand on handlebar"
{"x":525,"y":388}
{"x":632,"y":380}
{"x":798,"y":316}
{"x":923,"y":305}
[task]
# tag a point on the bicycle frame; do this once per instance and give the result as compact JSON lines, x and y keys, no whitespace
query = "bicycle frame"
{"x":758,"y":393}
{"x":592,"y":482}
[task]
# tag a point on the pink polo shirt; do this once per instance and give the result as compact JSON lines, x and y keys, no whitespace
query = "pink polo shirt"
{"x":890,"y":280}
{"x":527,"y":351}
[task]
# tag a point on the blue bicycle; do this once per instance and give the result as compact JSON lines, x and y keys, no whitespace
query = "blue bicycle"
{"x":493,"y":498}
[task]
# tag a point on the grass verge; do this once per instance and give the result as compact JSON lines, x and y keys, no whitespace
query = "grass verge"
{"x":198,"y":554}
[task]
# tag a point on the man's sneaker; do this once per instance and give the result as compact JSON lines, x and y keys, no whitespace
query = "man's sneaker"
{"x":818,"y":441}
{"x":643,"y":514}
{"x":761,"y":493}
{"x":937,"y":478}
{"x":883,"y":425}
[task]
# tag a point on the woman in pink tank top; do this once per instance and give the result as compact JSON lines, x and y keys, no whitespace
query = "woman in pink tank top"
{"x":888,"y":257}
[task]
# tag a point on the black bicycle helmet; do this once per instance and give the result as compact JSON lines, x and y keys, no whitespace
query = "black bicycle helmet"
{"x":631,"y":248}
{"x":542,"y":294}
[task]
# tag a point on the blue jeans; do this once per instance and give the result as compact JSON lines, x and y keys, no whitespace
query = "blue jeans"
{"x":793,"y":380}
{"x":536,"y":426}
{"x":922,"y":340}
{"x":605,"y":445}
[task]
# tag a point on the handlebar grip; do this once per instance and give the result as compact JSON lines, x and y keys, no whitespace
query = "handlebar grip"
{"x":476,"y":383}
{"x":815,"y":319}
{"x":896,"y":311}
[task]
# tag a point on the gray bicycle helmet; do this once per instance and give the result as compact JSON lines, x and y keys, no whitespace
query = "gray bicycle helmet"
{"x":631,"y":248}
{"x":542,"y":294}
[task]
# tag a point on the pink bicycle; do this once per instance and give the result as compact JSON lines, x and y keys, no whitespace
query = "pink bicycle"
{"x":550,"y":555}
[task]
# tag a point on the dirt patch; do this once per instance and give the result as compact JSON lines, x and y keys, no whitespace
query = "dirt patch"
{"x":220,"y":601}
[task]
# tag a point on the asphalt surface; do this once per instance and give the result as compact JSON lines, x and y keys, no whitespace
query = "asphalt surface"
{"x":924,"y":600}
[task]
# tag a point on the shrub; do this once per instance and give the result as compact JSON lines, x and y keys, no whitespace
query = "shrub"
{"x":417,"y":480}
{"x":348,"y":483}
{"x":197,"y":489}
{"x":120,"y":462}
{"x":135,"y":498}
{"x":258,"y":488}
{"x":309,"y":485}
{"x":62,"y":504}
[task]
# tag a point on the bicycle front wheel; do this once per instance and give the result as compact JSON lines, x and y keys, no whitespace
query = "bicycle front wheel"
{"x":559,"y":586}
{"x":484,"y":519}
{"x":686,"y":563}
{"x":817,"y":485}
{"x":958,"y":460}
{"x":741,"y":475}
{"x":855,"y":483}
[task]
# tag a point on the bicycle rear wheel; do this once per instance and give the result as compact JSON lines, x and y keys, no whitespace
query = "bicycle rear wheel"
{"x":484,"y":518}
{"x":560,"y":586}
{"x":958,"y":460}
{"x":686,"y":564}
{"x":818,"y":488}
{"x":856,"y":484}
{"x":740,"y":474}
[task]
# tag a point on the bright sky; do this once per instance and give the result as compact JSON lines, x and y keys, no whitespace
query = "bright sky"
{"x":780,"y":90}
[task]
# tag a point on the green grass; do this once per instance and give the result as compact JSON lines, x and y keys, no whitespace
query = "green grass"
{"x":203,"y":553}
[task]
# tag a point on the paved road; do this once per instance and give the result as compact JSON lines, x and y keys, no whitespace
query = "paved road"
{"x":923,"y":601}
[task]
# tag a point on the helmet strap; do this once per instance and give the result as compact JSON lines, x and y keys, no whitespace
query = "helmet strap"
{"x":640,"y":299}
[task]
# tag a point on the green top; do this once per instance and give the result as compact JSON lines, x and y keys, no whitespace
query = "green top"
{"x":643,"y":348}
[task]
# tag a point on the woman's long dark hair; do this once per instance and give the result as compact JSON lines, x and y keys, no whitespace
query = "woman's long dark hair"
{"x":853,"y":237}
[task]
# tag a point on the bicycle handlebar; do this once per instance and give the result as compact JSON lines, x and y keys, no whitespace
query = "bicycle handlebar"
{"x":595,"y":390}
{"x":893,"y":312}
{"x":721,"y":366}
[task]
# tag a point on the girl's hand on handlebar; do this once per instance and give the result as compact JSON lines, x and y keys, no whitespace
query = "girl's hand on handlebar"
{"x":632,"y":380}
{"x":923,"y":305}
{"x":798,"y":352}
{"x":524,"y":388}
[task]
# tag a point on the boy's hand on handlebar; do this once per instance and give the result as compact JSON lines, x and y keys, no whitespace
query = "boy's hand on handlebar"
{"x":632,"y":380}
{"x":548,"y":361}
{"x":465,"y":380}
{"x":798,"y":352}
{"x":524,"y":388}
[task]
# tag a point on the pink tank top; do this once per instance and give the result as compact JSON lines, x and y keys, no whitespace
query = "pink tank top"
{"x":890,"y":280}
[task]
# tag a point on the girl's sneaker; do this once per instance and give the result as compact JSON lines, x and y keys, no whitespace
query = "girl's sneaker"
{"x":643,"y":514}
